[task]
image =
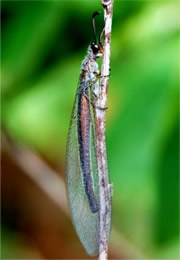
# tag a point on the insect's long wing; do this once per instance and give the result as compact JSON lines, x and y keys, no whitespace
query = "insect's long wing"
{"x":86,"y":223}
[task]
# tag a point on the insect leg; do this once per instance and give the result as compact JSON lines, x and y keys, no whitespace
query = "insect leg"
{"x":93,"y":103}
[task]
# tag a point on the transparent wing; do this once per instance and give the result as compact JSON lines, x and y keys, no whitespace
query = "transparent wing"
{"x":86,"y":223}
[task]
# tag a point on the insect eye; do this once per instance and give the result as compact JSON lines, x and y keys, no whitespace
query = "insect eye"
{"x":95,"y":48}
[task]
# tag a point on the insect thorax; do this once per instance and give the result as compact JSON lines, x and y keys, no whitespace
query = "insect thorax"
{"x":90,"y":66}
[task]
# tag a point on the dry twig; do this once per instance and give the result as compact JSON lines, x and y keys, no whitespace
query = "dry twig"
{"x":51,"y":184}
{"x":105,"y":189}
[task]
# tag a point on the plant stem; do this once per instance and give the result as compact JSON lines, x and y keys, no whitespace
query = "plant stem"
{"x":105,"y":189}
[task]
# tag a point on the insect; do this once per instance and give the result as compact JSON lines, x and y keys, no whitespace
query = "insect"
{"x":81,"y":163}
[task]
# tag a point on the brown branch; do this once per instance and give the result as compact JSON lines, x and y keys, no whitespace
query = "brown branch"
{"x":105,"y":189}
{"x":37,"y":170}
{"x":51,"y":184}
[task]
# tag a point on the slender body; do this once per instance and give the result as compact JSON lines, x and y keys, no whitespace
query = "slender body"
{"x":83,"y":127}
{"x":82,"y":175}
{"x":81,"y":161}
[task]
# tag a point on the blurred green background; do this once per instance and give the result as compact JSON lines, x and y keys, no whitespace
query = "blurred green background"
{"x":43,"y":44}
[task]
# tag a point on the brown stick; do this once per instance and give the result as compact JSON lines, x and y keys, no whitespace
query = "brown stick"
{"x":105,"y":189}
{"x":51,"y":184}
{"x":33,"y":166}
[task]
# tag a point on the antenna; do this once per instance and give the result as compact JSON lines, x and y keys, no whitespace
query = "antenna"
{"x":101,"y":34}
{"x":94,"y":26}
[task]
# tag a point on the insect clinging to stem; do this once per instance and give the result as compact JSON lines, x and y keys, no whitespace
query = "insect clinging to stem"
{"x":81,"y":160}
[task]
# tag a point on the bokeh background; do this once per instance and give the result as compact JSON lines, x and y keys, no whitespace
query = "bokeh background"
{"x":43,"y":44}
